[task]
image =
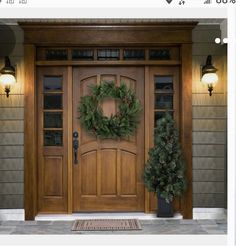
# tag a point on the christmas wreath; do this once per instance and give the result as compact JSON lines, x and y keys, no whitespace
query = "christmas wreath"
{"x":123,"y":123}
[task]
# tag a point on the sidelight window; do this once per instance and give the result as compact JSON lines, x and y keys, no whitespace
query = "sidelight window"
{"x":53,"y":111}
{"x":164,"y":95}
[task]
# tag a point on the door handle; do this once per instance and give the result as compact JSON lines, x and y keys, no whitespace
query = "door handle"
{"x":75,"y":147}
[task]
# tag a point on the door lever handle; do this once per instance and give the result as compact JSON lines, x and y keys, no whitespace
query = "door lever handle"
{"x":75,"y":146}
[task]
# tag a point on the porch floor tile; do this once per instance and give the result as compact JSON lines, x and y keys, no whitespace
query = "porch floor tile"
{"x":157,"y":227}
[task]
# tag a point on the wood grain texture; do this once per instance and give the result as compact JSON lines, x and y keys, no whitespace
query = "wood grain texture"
{"x":70,"y":133}
{"x":128,"y":173}
{"x":53,"y":178}
{"x":89,"y":174}
{"x":116,"y":34}
{"x":108,"y":63}
{"x":148,"y":136}
{"x":30,"y":130}
{"x":109,"y":174}
{"x":52,"y":160}
{"x":186,"y":126}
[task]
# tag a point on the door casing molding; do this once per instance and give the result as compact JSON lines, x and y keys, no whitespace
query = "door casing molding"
{"x":154,"y":34}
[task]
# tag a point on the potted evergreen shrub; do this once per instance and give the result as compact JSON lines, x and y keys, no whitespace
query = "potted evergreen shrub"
{"x":164,"y":170}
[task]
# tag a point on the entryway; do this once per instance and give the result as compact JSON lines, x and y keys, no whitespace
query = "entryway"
{"x":101,"y":175}
{"x":106,"y":175}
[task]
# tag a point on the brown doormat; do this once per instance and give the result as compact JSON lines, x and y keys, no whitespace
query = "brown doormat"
{"x":106,"y":225}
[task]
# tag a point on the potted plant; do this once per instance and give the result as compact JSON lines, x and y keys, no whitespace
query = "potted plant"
{"x":164,"y":170}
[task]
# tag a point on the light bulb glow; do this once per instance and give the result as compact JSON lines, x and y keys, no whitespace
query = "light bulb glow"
{"x":7,"y":79}
{"x":210,"y":78}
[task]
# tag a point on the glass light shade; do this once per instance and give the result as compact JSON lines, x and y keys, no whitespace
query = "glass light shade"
{"x":210,"y":78}
{"x":7,"y":79}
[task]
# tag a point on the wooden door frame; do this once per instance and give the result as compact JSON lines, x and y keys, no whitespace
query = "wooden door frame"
{"x":72,"y":34}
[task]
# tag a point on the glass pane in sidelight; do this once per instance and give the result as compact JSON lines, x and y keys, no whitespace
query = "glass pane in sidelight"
{"x":52,"y":83}
{"x":163,"y":101}
{"x":163,"y":83}
{"x":53,"y":138}
{"x":53,"y":101}
{"x":52,"y":119}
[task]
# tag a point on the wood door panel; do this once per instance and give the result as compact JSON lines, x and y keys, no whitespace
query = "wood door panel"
{"x":109,"y":107}
{"x":86,"y":83}
{"x":129,"y":82}
{"x":128,"y":173}
{"x":108,"y":172}
{"x":89,"y":174}
{"x":53,"y":178}
{"x":87,"y":137}
{"x":109,"y":77}
{"x":106,"y":204}
{"x":112,"y":178}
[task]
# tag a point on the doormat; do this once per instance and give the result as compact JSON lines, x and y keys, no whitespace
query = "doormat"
{"x":106,"y":225}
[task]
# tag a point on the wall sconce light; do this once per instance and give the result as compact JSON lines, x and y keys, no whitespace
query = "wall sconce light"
{"x":7,"y":76}
{"x":209,"y":75}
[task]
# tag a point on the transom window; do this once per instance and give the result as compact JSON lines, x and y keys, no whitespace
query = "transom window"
{"x":108,"y":53}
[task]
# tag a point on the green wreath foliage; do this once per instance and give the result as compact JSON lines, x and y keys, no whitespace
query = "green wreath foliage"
{"x":121,"y":125}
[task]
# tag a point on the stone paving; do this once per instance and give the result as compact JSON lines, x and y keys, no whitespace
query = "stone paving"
{"x":158,"y":227}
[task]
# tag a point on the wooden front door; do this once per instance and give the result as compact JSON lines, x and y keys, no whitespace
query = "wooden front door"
{"x":108,"y":176}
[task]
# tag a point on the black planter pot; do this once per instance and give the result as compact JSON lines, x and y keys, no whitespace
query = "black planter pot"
{"x":165,"y":210}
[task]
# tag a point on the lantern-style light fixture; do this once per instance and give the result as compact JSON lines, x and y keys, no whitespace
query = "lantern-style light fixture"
{"x":7,"y":76}
{"x":209,"y":75}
